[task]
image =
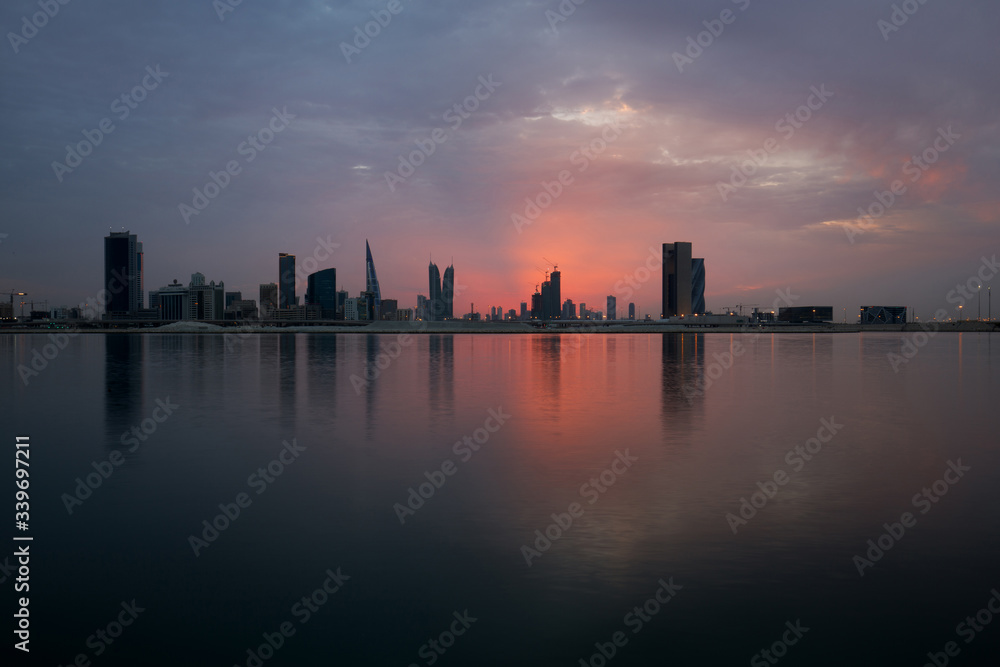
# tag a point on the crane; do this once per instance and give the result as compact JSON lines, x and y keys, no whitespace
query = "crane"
{"x":32,"y":305}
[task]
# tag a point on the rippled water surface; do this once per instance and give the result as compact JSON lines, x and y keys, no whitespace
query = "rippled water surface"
{"x":417,"y":471}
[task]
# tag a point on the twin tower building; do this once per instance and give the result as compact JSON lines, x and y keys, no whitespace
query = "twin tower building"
{"x":441,"y":304}
{"x":683,"y":281}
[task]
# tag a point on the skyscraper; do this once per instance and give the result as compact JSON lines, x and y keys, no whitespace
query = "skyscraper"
{"x":448,"y":292}
{"x":321,"y":290}
{"x":371,"y":283}
{"x":631,"y":310}
{"x":286,"y":280}
{"x":555,"y":278}
{"x":435,"y":303}
{"x":123,"y":274}
{"x":676,"y":279}
{"x":612,"y":308}
{"x":698,"y":286}
{"x":552,"y":296}
{"x":268,"y":300}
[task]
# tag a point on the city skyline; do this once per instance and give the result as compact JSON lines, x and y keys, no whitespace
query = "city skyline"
{"x":124,"y":257}
{"x":651,"y":149}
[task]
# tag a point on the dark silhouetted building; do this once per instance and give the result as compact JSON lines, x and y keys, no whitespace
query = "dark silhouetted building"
{"x":552,"y":296}
{"x":341,"y":303}
{"x":883,"y":314}
{"x":389,"y":309}
{"x":268,"y":300}
{"x":122,"y":275}
{"x":371,"y":285}
{"x":435,"y":303}
{"x":286,"y":280}
{"x":170,"y":302}
{"x":448,"y":292}
{"x":697,"y":286}
{"x":631,"y":311}
{"x":676,"y":279}
{"x":806,"y":314}
{"x":612,"y":311}
{"x":321,"y":290}
{"x":206,"y":301}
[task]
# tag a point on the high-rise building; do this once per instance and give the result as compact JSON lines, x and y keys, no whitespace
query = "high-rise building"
{"x":697,"y":286}
{"x":631,"y":310}
{"x":676,"y":279}
{"x":422,"y":310}
{"x":170,"y":302}
{"x":555,"y":281}
{"x":612,"y":308}
{"x":524,"y":310}
{"x":568,"y":310}
{"x":435,"y":304}
{"x":351,"y":310}
{"x":341,"y":303}
{"x":321,"y":290}
{"x":123,"y":274}
{"x":389,"y":309}
{"x":286,"y":280}
{"x":371,"y":284}
{"x":205,"y":301}
{"x":231,"y":297}
{"x":448,"y":292}
{"x":536,"y":305}
{"x":268,"y":300}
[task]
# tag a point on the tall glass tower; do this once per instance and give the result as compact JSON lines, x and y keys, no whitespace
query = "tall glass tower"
{"x":286,"y":280}
{"x":448,"y":292}
{"x":123,"y":273}
{"x":698,"y":286}
{"x":435,"y":302}
{"x":676,"y":279}
{"x":371,"y":282}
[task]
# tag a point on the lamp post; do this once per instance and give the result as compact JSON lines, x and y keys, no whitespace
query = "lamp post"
{"x":960,"y":313}
{"x":979,"y":303}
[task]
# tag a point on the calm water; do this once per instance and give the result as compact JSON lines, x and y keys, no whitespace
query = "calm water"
{"x":697,"y":436}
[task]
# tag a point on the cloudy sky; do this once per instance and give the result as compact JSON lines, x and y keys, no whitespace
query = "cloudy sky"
{"x":647,"y":110}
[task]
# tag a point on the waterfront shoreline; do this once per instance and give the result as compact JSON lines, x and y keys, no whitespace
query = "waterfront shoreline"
{"x":411,"y":328}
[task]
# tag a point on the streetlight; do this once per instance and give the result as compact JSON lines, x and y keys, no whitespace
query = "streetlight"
{"x":979,"y":304}
{"x":960,"y":313}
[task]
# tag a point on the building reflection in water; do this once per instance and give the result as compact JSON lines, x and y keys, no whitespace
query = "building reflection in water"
{"x":546,"y":362}
{"x":286,"y":381}
{"x":441,"y":375}
{"x":124,"y":395}
{"x":321,"y":364}
{"x":683,"y":366}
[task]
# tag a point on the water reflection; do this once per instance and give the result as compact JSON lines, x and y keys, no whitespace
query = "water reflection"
{"x":286,"y":381}
{"x":441,"y":374}
{"x":546,"y":368}
{"x":124,"y":368}
{"x":683,"y":365}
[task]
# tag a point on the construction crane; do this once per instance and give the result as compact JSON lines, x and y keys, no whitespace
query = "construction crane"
{"x":555,"y":267}
{"x":741,"y":306}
